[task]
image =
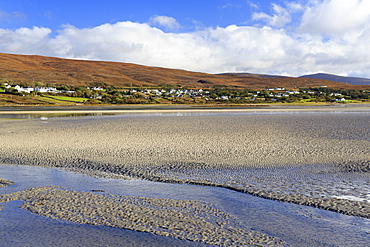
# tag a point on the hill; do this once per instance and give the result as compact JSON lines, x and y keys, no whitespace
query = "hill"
{"x":343,"y":79}
{"x":256,"y":75}
{"x":31,"y":69}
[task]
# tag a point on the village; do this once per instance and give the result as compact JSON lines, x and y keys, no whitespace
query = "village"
{"x":100,"y":94}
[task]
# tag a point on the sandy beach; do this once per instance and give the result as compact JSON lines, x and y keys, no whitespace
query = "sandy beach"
{"x":314,"y":157}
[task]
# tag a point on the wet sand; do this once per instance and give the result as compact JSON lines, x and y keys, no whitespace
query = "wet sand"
{"x":313,"y":158}
{"x":297,"y":225}
{"x":4,"y":182}
{"x":182,"y":219}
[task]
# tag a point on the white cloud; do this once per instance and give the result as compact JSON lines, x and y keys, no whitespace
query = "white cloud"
{"x":294,"y":7}
{"x":169,"y":23}
{"x":336,"y":17}
{"x":230,"y":5}
{"x":279,"y":19}
{"x":198,"y":25}
{"x":25,"y":40}
{"x":222,"y":49}
{"x":252,"y":4}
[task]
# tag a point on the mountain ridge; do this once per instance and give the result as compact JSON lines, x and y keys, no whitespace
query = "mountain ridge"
{"x":337,"y":78}
{"x":32,"y":69}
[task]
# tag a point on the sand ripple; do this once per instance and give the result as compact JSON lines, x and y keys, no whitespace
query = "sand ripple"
{"x":320,"y":160}
{"x":182,"y":219}
{"x":4,"y":182}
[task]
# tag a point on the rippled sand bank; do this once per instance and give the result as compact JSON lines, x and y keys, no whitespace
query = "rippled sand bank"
{"x":182,"y":219}
{"x":317,"y":159}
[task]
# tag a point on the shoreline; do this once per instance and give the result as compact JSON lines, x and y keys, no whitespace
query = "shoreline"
{"x":189,"y":108}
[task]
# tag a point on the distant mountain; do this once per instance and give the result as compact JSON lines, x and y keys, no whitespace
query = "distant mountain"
{"x":343,"y":79}
{"x":256,"y":75}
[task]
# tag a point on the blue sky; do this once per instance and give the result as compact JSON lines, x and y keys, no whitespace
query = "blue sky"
{"x":258,"y":36}
{"x":83,"y":13}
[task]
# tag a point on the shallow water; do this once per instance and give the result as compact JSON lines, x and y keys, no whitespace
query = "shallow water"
{"x":295,"y":224}
{"x":153,"y":111}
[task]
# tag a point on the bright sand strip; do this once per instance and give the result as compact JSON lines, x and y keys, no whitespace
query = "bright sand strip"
{"x":308,"y":159}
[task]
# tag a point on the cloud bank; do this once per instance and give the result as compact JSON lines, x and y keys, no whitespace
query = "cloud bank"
{"x":330,"y":36}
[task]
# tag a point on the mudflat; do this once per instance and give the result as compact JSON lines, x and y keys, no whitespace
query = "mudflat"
{"x":311,"y":157}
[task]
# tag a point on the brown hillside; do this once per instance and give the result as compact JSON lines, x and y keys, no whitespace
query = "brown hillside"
{"x":29,"y":69}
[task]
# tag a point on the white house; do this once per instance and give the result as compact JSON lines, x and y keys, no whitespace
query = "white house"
{"x":46,"y":89}
{"x":28,"y":89}
{"x":23,"y":89}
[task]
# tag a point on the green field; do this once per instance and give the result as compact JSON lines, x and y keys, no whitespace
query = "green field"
{"x":70,"y":99}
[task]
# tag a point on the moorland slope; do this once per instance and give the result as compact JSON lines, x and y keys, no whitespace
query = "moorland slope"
{"x":28,"y":69}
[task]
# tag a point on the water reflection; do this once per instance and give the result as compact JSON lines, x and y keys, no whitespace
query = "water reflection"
{"x":173,"y":113}
{"x":45,"y":116}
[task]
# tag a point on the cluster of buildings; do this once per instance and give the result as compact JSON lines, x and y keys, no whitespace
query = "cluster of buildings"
{"x":274,"y":93}
{"x":28,"y":89}
{"x":172,"y":92}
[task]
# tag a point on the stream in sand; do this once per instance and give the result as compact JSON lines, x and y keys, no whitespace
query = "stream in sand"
{"x":296,"y":225}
